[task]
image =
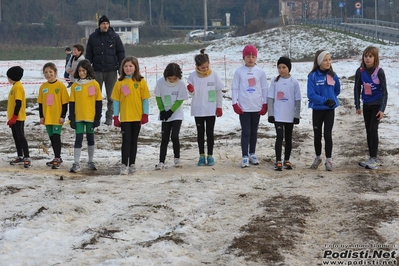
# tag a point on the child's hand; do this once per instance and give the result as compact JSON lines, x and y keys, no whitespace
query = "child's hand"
{"x":296,"y":121}
{"x":237,"y":109}
{"x":263,"y":111}
{"x":61,"y":121}
{"x":219,"y":112}
{"x":190,"y":88}
{"x":12,"y":121}
{"x":117,"y":123}
{"x":358,"y":111}
{"x":42,"y":120}
{"x":380,"y":115}
{"x":144,"y":119}
{"x":270,"y":119}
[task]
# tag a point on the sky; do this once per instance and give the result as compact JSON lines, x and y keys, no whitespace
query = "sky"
{"x":189,"y":215}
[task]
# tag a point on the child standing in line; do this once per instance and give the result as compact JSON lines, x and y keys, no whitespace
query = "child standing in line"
{"x":205,"y":86}
{"x":85,"y":106}
{"x":284,"y":102}
{"x":77,"y":56}
{"x":16,"y":115}
{"x":68,"y":53}
{"x":370,"y":83}
{"x":323,"y":89}
{"x":130,"y":95}
{"x":249,"y":99}
{"x":170,"y":92}
{"x":53,"y":105}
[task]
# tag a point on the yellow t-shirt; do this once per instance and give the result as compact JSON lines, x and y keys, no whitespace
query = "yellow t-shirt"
{"x":85,"y":94}
{"x":17,"y":92}
{"x":52,"y":96}
{"x":130,"y":93}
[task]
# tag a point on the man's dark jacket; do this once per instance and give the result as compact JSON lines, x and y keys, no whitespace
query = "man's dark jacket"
{"x":105,"y":50}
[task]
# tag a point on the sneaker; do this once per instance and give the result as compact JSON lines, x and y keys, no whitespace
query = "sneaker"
{"x":253,"y":160}
{"x":287,"y":165}
{"x":210,"y":160}
{"x":56,"y":163}
{"x":177,"y":162}
{"x":328,"y":165}
{"x":75,"y":168}
{"x":50,"y":163}
{"x":159,"y":166}
{"x":132,"y":169}
{"x":91,"y":166}
{"x":245,"y":162}
{"x":27,"y":162}
{"x":124,"y":170}
{"x":372,"y":164}
{"x":278,"y":166}
{"x":17,"y":160}
{"x":316,"y":163}
{"x":201,"y":161}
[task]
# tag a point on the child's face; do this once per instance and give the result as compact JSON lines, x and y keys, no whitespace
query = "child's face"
{"x":171,"y":79}
{"x":250,"y":60}
{"x":204,"y":67}
{"x":326,"y":64}
{"x":82,"y":72}
{"x":129,"y":68}
{"x":50,"y":74}
{"x":369,"y":60}
{"x":76,"y":52}
{"x":283,"y":70}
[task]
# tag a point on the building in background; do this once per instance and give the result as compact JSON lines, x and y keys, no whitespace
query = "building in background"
{"x":128,"y":30}
{"x":292,"y":10}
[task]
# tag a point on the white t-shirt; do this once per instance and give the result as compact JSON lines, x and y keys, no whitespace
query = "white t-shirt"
{"x":284,"y":92}
{"x":170,"y":93}
{"x":207,"y":95}
{"x":249,"y":88}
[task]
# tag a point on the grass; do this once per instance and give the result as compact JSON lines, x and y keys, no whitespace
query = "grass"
{"x":57,"y":53}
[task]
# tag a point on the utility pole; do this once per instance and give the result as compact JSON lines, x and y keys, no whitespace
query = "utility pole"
{"x":150,"y":12}
{"x":205,"y":18}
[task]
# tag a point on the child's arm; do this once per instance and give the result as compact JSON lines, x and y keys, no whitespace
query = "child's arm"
{"x":160,"y":105}
{"x":99,"y":106}
{"x":384,"y":90}
{"x":72,"y":115}
{"x":116,"y":105}
{"x":144,"y":117}
{"x":357,"y":89}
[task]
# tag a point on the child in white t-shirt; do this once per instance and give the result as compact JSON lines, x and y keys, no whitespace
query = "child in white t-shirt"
{"x":170,"y":92}
{"x":205,"y":86}
{"x":284,"y":101}
{"x":249,"y":98}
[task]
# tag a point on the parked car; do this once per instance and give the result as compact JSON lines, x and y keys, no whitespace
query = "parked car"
{"x":198,"y":34}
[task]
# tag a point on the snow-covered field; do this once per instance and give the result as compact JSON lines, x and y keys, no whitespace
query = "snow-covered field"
{"x":219,"y":215}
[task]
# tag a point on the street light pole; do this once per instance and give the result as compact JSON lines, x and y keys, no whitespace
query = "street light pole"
{"x":375,"y":17}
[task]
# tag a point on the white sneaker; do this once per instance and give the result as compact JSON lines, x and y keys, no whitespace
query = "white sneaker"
{"x":124,"y":170}
{"x":316,"y":163}
{"x":372,"y":164}
{"x":245,"y":162}
{"x":132,"y":169}
{"x":253,"y":160}
{"x":177,"y":162}
{"x":159,"y":166}
{"x":328,"y":165}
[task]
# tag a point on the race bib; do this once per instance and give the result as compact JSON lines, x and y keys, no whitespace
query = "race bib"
{"x":125,"y":90}
{"x":330,"y":80}
{"x":280,"y":95}
{"x":50,"y":99}
{"x":367,"y":88}
{"x":212,"y":96}
{"x":92,"y":91}
{"x":167,"y":100}
{"x":251,"y":82}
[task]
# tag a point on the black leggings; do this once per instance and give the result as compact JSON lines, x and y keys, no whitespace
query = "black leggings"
{"x":167,"y":128}
{"x":130,"y":136}
{"x":210,"y":125}
{"x":284,"y":131}
{"x":19,"y":139}
{"x":320,"y":117}
{"x":371,"y":123}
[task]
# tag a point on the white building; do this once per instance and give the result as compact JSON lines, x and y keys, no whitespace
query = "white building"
{"x":127,"y":29}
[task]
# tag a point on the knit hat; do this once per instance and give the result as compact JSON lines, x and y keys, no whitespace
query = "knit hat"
{"x":15,"y":73}
{"x":249,"y":50}
{"x":103,"y":19}
{"x":286,"y":61}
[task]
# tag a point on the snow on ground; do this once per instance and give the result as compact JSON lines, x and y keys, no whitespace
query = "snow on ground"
{"x":219,"y":215}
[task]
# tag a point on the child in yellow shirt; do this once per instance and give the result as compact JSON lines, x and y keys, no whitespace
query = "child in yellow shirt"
{"x":53,"y":105}
{"x":85,"y":106}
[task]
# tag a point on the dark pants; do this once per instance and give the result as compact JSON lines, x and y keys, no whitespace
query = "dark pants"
{"x":371,"y":123}
{"x":168,"y":128}
{"x":283,"y":131}
{"x":19,"y":139}
{"x":205,"y":124}
{"x":249,"y":132}
{"x":130,"y":136}
{"x":320,"y":117}
{"x":109,"y":78}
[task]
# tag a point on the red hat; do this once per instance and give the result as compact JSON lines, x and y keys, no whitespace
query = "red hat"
{"x":249,"y":50}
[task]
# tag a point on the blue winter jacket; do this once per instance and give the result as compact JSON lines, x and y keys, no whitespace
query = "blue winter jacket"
{"x":105,"y":50}
{"x":319,"y":91}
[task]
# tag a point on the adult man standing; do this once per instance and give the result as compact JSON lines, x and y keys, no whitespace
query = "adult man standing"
{"x":105,"y":51}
